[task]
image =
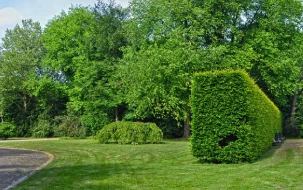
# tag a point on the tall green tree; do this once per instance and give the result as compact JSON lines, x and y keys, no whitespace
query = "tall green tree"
{"x":172,"y":40}
{"x":296,"y":119}
{"x":84,"y":46}
{"x":105,"y":94}
{"x":274,"y":32}
{"x":21,"y":54}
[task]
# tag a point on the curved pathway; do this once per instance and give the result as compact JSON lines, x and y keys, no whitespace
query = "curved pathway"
{"x":18,"y":164}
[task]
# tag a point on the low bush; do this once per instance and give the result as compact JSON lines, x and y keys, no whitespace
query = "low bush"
{"x":232,"y":119}
{"x":130,"y":133}
{"x":7,"y":130}
{"x":42,"y":128}
{"x":69,"y":126}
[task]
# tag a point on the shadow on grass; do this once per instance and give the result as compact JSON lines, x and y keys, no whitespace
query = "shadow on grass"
{"x":269,"y":153}
{"x":92,"y":176}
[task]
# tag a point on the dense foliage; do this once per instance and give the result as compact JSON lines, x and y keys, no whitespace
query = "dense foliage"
{"x":83,"y":45}
{"x":130,"y":133}
{"x":171,"y":40}
{"x":20,"y":60}
{"x":233,"y":120}
{"x":106,"y":63}
{"x":69,"y":126}
{"x":7,"y":130}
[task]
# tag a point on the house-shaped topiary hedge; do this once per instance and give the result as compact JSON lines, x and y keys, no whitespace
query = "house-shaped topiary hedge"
{"x":232,"y":119}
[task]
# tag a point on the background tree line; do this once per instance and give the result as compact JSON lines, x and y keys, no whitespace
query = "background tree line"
{"x":94,"y":65}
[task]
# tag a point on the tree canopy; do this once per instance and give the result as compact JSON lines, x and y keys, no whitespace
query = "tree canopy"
{"x":103,"y":63}
{"x":84,"y":45}
{"x":172,"y":40}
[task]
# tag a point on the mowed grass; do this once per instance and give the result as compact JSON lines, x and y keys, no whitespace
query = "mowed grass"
{"x":84,"y":164}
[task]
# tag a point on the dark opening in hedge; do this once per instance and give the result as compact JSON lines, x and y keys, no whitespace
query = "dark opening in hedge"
{"x":227,"y":140}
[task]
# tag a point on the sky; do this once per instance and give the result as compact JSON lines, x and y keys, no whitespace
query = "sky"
{"x":13,"y":11}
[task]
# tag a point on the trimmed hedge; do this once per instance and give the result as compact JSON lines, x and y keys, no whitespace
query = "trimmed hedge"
{"x":130,"y":133}
{"x":232,"y":119}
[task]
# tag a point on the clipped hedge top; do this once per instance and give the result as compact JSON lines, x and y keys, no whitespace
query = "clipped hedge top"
{"x":234,"y":92}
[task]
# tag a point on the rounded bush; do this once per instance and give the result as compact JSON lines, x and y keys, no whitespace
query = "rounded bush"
{"x":130,"y":133}
{"x":7,"y":130}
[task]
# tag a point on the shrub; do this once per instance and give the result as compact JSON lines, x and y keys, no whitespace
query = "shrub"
{"x":42,"y":128}
{"x":7,"y":130}
{"x":232,"y":119}
{"x":130,"y":133}
{"x":69,"y":126}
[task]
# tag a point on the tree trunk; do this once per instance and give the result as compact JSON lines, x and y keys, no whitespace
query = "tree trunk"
{"x":24,"y":101}
{"x":294,"y":105}
{"x":186,"y":132}
{"x":293,"y":110}
{"x":116,"y":114}
{"x":294,"y":102}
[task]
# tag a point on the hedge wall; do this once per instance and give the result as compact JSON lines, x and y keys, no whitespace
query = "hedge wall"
{"x":232,"y":119}
{"x":130,"y":133}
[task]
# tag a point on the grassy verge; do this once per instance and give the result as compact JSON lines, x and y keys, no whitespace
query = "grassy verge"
{"x":84,"y":164}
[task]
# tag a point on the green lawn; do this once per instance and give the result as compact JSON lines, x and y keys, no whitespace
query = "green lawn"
{"x":84,"y":164}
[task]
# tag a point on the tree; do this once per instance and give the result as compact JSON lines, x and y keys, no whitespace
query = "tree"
{"x":104,"y":95}
{"x":295,"y":118}
{"x":172,"y":40}
{"x":84,"y":45}
{"x":274,"y":31}
{"x":21,"y":54}
{"x":169,"y":41}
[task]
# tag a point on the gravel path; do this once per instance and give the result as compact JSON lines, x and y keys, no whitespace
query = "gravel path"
{"x":17,"y":164}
